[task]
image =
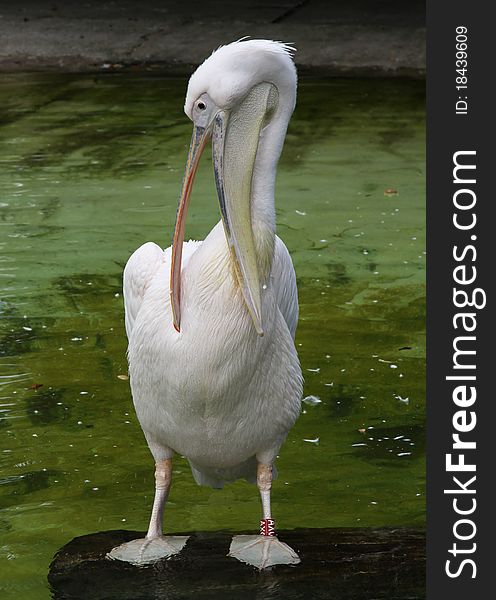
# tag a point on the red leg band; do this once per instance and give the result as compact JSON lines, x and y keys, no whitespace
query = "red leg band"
{"x":268,"y":527}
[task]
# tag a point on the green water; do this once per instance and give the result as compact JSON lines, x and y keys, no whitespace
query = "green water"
{"x":90,"y":169}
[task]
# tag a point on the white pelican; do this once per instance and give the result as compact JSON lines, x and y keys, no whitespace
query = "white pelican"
{"x":213,"y":368}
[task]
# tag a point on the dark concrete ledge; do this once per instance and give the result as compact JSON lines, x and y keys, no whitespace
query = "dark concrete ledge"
{"x":337,"y":564}
{"x":352,"y":38}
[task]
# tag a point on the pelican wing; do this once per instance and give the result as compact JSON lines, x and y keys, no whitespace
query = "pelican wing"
{"x":139,"y":271}
{"x":284,"y":278}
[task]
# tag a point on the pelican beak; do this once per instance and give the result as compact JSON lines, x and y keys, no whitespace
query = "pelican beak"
{"x":235,"y":142}
{"x":199,"y":140}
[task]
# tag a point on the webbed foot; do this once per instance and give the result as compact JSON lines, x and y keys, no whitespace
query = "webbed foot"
{"x":262,"y":551}
{"x":148,"y":550}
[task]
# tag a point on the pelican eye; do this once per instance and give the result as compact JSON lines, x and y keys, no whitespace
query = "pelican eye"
{"x":201,"y":105}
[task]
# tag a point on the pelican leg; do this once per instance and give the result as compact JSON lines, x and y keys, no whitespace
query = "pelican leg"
{"x":154,"y":546}
{"x":263,"y":550}
{"x":163,"y":478}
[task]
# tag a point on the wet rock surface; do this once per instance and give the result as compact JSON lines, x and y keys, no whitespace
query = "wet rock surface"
{"x":359,"y":37}
{"x":335,"y":564}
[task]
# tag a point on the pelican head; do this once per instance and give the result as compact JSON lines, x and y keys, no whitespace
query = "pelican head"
{"x":235,"y":94}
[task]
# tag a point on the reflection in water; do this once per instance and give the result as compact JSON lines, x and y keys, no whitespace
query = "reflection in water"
{"x":91,"y":169}
{"x":17,"y":488}
{"x":17,"y":341}
{"x":46,"y":406}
